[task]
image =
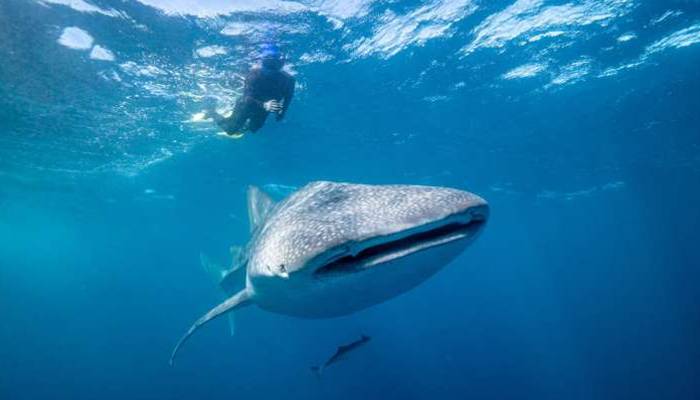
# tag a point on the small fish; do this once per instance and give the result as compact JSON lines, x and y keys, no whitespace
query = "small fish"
{"x":341,"y":353}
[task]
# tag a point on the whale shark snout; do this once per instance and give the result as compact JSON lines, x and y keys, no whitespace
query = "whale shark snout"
{"x":353,"y":257}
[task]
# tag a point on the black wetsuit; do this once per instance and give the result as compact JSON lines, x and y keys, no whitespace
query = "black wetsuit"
{"x":260,"y":87}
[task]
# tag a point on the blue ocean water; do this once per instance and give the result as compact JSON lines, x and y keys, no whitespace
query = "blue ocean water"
{"x":576,"y":119}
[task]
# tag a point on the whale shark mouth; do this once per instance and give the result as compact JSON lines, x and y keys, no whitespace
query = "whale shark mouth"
{"x":381,"y":250}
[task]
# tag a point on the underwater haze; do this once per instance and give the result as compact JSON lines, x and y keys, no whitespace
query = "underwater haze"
{"x":577,"y":120}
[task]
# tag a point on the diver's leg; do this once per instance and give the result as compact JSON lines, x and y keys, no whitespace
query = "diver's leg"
{"x":234,"y":124}
{"x":257,"y":121}
{"x":216,"y":117}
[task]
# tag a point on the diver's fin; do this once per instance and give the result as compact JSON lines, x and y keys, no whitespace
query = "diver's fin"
{"x":238,"y":300}
{"x":235,"y":135}
{"x":259,"y":205}
{"x":317,"y":371}
{"x":199,"y":117}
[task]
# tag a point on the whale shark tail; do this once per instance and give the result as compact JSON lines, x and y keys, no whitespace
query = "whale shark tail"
{"x":238,"y":300}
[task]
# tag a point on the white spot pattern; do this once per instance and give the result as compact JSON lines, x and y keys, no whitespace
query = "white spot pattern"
{"x":325,"y":215}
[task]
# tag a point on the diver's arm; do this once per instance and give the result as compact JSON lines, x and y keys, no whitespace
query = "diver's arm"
{"x":287,"y":98}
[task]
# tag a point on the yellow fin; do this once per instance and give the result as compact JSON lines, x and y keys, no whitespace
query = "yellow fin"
{"x":237,"y":135}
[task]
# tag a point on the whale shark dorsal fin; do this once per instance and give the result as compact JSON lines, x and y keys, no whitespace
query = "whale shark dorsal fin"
{"x":259,"y":205}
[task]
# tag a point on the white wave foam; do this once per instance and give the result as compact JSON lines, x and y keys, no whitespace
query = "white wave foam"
{"x":682,"y":38}
{"x":335,"y":9}
{"x":211,"y":51}
{"x":214,"y":8}
{"x":668,"y":14}
{"x":343,"y":9}
{"x":626,"y":37}
{"x":258,"y":29}
{"x":110,"y":76}
{"x":573,"y":72}
{"x":532,"y":17}
{"x":679,"y":39}
{"x":237,"y":29}
{"x":160,"y":89}
{"x":83,"y":6}
{"x":75,"y":38}
{"x":315,"y":57}
{"x":393,"y":34}
{"x":396,"y":32}
{"x":101,"y":53}
{"x":550,"y":34}
{"x":616,"y":70}
{"x":132,"y":68}
{"x":525,"y":71}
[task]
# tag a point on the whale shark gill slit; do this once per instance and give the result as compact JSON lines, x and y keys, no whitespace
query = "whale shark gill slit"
{"x":419,"y":241}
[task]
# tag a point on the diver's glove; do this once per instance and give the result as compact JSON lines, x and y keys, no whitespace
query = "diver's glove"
{"x":273,"y":106}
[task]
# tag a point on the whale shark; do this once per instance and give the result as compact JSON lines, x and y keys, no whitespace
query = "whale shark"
{"x":330,"y":249}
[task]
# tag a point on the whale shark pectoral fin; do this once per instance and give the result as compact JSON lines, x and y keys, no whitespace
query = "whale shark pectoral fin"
{"x":237,"y":256}
{"x":238,"y":300}
{"x":214,"y":270}
{"x":228,"y":280}
{"x":232,"y":324}
{"x":259,"y":205}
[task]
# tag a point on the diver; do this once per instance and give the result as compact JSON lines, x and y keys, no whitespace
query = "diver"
{"x":268,"y":89}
